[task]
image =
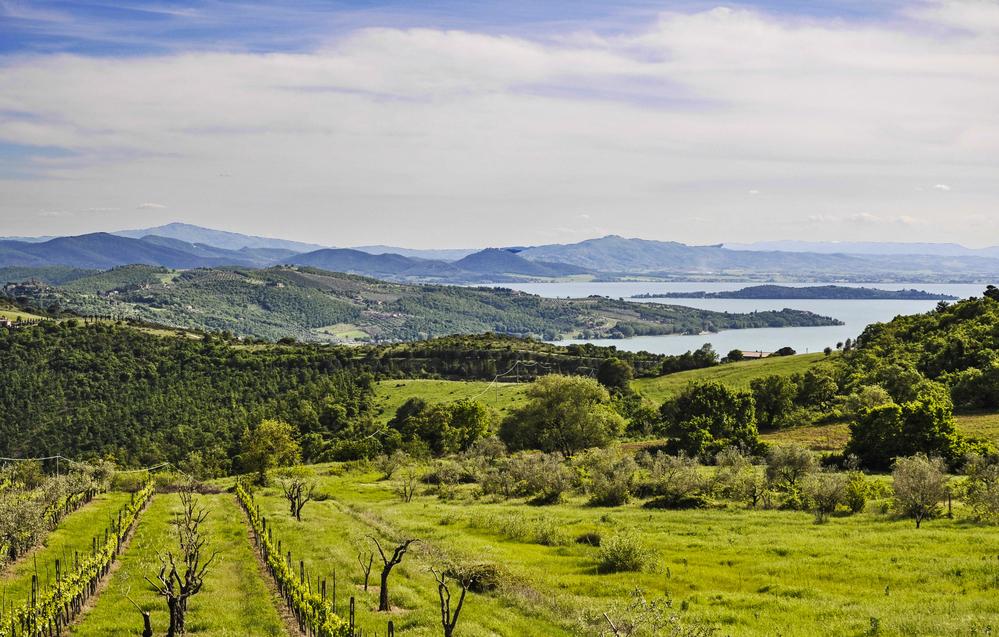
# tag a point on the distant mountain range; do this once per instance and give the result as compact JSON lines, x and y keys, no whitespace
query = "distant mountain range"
{"x":185,"y":246}
{"x":868,"y":247}
{"x":783,"y":292}
{"x":217,"y":238}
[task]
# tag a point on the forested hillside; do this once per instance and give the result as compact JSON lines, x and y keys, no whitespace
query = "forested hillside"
{"x":121,"y":392}
{"x":956,"y":345}
{"x":315,"y":305}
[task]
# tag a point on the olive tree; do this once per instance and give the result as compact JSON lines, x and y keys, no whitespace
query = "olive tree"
{"x":825,"y":491}
{"x":920,"y":484}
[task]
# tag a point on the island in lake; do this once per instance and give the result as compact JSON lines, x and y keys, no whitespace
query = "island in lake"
{"x":838,"y":292}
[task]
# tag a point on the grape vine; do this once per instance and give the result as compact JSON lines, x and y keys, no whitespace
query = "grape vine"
{"x":48,"y":611}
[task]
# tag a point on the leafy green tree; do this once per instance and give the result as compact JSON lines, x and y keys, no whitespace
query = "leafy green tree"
{"x":774,"y":397}
{"x":565,"y":414}
{"x":615,"y":374}
{"x":735,"y":356}
{"x":817,"y":388}
{"x":270,"y":444}
{"x":444,"y":427}
{"x":705,"y":418}
{"x":881,"y":434}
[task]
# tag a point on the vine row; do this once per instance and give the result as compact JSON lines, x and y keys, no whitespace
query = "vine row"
{"x":312,"y":609}
{"x":48,"y":611}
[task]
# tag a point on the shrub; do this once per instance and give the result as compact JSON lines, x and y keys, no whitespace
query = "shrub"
{"x":788,"y":464}
{"x":479,"y":577}
{"x":610,"y":477}
{"x":625,"y":552}
{"x":591,"y":538}
{"x":542,"y":477}
{"x":675,"y":479}
{"x":857,"y":491}
{"x":982,"y":487}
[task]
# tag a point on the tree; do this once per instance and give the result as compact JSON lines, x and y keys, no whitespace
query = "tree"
{"x":299,"y":488}
{"x":982,"y":487}
{"x":565,"y":414}
{"x":406,"y":487}
{"x":366,"y":567}
{"x":179,"y":584}
{"x":615,"y":374}
{"x":388,"y":563}
{"x":390,"y":463}
{"x":788,"y":464}
{"x":773,"y":397}
{"x":271,"y":444}
{"x":920,"y":484}
{"x":825,"y":491}
{"x":735,"y":356}
{"x":704,"y":418}
{"x":446,"y":428}
{"x":925,"y":426}
{"x":818,"y":387}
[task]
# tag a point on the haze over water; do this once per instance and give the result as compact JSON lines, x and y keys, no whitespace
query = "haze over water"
{"x":856,"y":314}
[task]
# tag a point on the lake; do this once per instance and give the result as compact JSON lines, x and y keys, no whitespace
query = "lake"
{"x":855,"y":314}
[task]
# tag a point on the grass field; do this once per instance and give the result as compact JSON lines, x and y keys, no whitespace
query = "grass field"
{"x":391,"y":394}
{"x":331,"y":536}
{"x":744,"y":572}
{"x":14,"y":315}
{"x":73,"y":533}
{"x":235,"y":600}
{"x":736,"y":375}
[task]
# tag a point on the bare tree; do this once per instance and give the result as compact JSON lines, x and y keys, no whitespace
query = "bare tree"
{"x":449,"y":618}
{"x":406,"y":487}
{"x":147,"y":625}
{"x":388,"y":563}
{"x":299,"y":489}
{"x":178,"y":583}
{"x":366,"y":568}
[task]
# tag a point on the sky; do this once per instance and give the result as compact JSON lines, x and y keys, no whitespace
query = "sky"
{"x":470,"y":124}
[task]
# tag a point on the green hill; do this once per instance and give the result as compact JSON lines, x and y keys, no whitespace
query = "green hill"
{"x":314,"y":305}
{"x":735,"y":375}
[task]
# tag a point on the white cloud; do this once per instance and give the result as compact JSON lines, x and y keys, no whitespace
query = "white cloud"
{"x":150,"y":206}
{"x":481,"y":136}
{"x":943,"y":187}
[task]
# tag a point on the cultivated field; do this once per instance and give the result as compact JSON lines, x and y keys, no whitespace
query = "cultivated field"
{"x":235,"y":600}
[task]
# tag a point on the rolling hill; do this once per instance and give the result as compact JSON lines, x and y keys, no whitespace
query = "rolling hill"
{"x":312,"y":304}
{"x":189,"y":233}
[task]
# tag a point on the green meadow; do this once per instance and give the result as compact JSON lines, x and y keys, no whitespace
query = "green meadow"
{"x":740,"y":571}
{"x":735,"y":375}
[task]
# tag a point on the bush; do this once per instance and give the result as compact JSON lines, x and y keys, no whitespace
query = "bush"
{"x":857,"y":491}
{"x":479,"y":577}
{"x":674,"y":479}
{"x":542,"y":477}
{"x":787,"y":465}
{"x":982,"y":487}
{"x":920,"y":483}
{"x":610,"y":477}
{"x":625,"y":552}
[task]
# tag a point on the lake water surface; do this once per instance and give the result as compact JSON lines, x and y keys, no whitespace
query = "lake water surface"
{"x":855,"y":314}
